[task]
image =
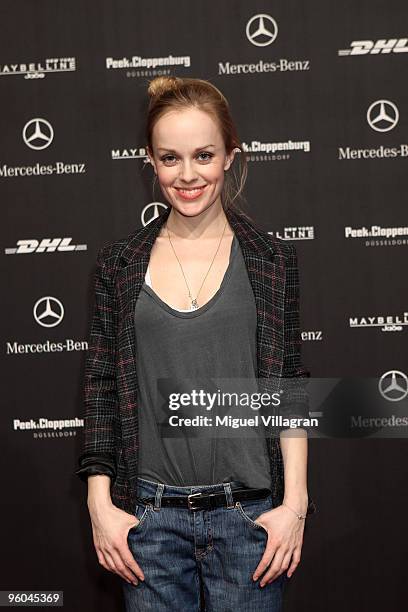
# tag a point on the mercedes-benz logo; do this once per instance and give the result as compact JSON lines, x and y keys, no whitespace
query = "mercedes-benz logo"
{"x":261,"y":30}
{"x":48,"y":311}
{"x":154,"y":212}
{"x":38,"y":134}
{"x":382,"y":115}
{"x":393,"y":385}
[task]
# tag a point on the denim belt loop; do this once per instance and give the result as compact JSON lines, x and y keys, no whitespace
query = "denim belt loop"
{"x":158,"y":496}
{"x":228,"y":494}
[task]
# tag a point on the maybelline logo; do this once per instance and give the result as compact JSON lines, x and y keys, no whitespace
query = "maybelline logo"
{"x":136,"y":61}
{"x":387,"y":322}
{"x":377,"y":235}
{"x":371,"y":47}
{"x":38,"y":70}
{"x":136,"y":153}
{"x":382,"y":116}
{"x":38,"y":134}
{"x":261,"y":31}
{"x":301,"y":232}
{"x":44,"y":245}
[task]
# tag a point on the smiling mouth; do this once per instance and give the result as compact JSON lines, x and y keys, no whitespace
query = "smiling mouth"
{"x":191,"y":188}
{"x":190,"y":194}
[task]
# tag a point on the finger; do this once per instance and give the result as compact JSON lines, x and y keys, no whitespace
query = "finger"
{"x":130,"y":562}
{"x":109,"y":560}
{"x":122,"y":569}
{"x":128,"y":558}
{"x":282,"y":570}
{"x":269,"y":552}
{"x":102,"y":560}
{"x":274,"y":569}
{"x":286,"y":562}
{"x":295,"y":561}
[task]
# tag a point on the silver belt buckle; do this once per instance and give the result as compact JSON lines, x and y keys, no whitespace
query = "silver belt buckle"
{"x":190,"y":502}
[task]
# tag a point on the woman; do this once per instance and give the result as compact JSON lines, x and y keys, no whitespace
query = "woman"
{"x":189,"y":519}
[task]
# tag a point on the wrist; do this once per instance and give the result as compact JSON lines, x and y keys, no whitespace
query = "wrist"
{"x":99,"y":492}
{"x":97,"y":503}
{"x":299,"y":503}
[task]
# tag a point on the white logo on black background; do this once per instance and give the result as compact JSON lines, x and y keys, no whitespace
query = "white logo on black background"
{"x":261,"y":30}
{"x":151,"y":212}
{"x":382,"y":115}
{"x":133,"y":153}
{"x":46,"y":245}
{"x":300,"y":232}
{"x":364,"y":47}
{"x":38,"y":70}
{"x":393,"y":385}
{"x":377,"y":235}
{"x":387,"y":323}
{"x":48,"y":311}
{"x":38,"y":134}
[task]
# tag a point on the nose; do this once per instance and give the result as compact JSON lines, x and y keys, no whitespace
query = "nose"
{"x":187,"y":172}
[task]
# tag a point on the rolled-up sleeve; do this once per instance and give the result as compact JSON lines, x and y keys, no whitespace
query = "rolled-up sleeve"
{"x":100,"y":392}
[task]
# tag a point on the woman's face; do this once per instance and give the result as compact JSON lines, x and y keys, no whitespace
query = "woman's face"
{"x":189,"y":159}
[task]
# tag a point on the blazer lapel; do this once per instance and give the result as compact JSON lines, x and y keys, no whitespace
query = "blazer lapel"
{"x":266,"y":273}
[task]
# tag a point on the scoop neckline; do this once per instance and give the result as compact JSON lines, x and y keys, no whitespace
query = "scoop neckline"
{"x":197,"y":312}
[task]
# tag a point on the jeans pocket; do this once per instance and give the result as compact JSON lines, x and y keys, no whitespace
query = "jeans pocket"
{"x":141,"y":513}
{"x":250,"y":510}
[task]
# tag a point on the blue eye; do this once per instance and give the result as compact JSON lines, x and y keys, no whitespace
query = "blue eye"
{"x":210,"y":155}
{"x":170,"y":158}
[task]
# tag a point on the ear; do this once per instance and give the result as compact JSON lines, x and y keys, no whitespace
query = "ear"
{"x":230,"y":158}
{"x":151,"y":159}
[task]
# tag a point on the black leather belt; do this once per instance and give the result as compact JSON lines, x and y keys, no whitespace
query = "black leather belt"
{"x":206,"y":501}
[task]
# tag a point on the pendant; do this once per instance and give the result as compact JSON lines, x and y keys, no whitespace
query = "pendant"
{"x":194,"y":303}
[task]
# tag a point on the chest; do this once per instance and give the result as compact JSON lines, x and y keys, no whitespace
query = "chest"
{"x":185,"y":270}
{"x":267,"y":279}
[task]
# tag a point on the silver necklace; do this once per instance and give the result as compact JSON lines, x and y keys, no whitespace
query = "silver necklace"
{"x":194,"y":302}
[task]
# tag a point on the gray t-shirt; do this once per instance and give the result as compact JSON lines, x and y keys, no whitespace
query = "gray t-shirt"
{"x":178,"y":351}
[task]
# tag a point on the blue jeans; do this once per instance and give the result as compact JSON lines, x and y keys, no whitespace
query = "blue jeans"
{"x":190,"y":557}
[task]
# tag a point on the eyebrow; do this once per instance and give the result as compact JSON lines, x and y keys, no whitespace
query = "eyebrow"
{"x":197,"y":149}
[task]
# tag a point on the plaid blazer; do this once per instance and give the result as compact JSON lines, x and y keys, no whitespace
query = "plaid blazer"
{"x":110,"y":383}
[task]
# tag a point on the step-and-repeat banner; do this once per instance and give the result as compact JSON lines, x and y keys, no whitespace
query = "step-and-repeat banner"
{"x":319,"y":94}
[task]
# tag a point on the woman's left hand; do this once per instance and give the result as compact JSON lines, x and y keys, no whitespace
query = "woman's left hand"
{"x":285,"y":538}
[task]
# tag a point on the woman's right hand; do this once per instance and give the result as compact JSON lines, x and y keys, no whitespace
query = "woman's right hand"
{"x":110,"y":527}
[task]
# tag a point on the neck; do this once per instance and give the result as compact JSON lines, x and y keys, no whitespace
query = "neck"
{"x":208,"y":224}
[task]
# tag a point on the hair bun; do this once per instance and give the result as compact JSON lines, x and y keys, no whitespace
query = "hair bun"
{"x":160,"y":85}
